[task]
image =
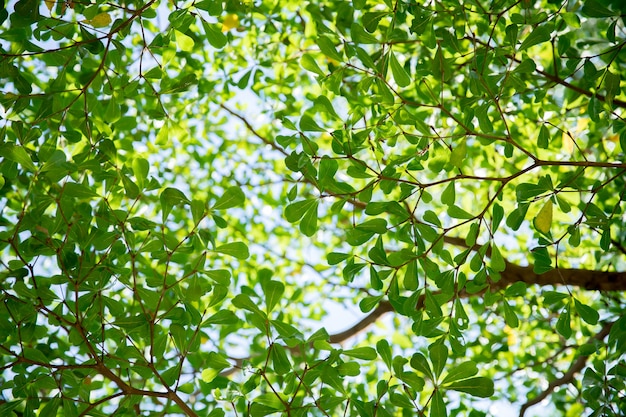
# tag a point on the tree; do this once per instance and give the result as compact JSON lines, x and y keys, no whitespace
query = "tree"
{"x":192,"y":192}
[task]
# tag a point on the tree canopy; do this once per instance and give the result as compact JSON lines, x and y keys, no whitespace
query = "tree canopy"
{"x":327,"y":208}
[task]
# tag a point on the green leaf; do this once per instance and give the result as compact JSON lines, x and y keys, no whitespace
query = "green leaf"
{"x":543,"y":262}
{"x":216,"y":360}
{"x":459,"y":154}
{"x":51,"y":408}
{"x":308,"y":225}
{"x":349,"y":369}
{"x":375,"y":226}
{"x":214,"y":35}
{"x":232,"y":197}
{"x":594,"y":108}
{"x":169,"y":198}
{"x":222,"y":317}
{"x":18,"y":154}
{"x":371,"y":20}
{"x":273,"y":293}
{"x":510,"y":317}
{"x":593,"y":8}
{"x":432,"y":218}
{"x":237,"y":249}
{"x":460,"y":372}
{"x":295,"y":211}
{"x":498,"y":263}
{"x":497,"y":216}
{"x":73,"y":189}
{"x":516,"y":218}
{"x":543,"y":141}
{"x":543,"y":220}
{"x":411,"y":282}
{"x":309,"y":64}
{"x":438,"y":354}
{"x":478,"y":386}
{"x":141,"y":168}
{"x":328,"y":48}
{"x":183,"y":41}
{"x":437,"y":406}
{"x":308,"y":124}
{"x":197,"y":210}
{"x":448,"y":196}
{"x":420,"y":364}
{"x":368,"y":303}
{"x":563,"y":324}
{"x":280,"y":361}
{"x":457,"y":212}
{"x":221,"y":276}
{"x":364,"y":353}
{"x":517,"y":289}
{"x":400,"y":75}
{"x":359,"y":35}
{"x":588,"y":314}
{"x":335,"y":258}
{"x":526,"y":66}
{"x":470,"y":239}
{"x":538,"y":35}
{"x":384,"y":350}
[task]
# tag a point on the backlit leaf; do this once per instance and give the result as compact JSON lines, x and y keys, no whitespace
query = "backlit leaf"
{"x":543,"y":220}
{"x":478,"y":386}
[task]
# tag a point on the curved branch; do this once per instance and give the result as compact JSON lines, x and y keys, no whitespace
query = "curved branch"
{"x":587,"y":279}
{"x":568,"y":376}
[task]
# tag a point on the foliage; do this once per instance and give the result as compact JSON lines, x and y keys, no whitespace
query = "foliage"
{"x":192,"y":192}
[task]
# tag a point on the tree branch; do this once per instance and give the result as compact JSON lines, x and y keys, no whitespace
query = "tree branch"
{"x":568,"y":376}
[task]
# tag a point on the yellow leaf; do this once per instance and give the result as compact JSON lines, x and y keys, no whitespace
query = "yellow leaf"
{"x":543,"y":221}
{"x":231,"y":21}
{"x":50,"y":4}
{"x":568,"y":142}
{"x":100,"y":20}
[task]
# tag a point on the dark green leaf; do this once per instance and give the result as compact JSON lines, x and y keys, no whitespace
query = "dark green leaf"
{"x":437,"y":406}
{"x":448,"y":196}
{"x":593,"y":8}
{"x":477,"y":386}
{"x":280,"y":361}
{"x":538,"y":35}
{"x":438,"y":354}
{"x":460,"y":372}
{"x":497,"y":261}
{"x":420,"y":364}
{"x":563,"y":324}
{"x":510,"y":317}
{"x":400,"y":75}
{"x":588,"y":314}
{"x":384,"y":350}
{"x":295,"y":211}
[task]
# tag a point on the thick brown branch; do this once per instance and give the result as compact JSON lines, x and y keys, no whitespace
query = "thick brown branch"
{"x":587,"y":279}
{"x":583,"y":278}
{"x":568,"y":376}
